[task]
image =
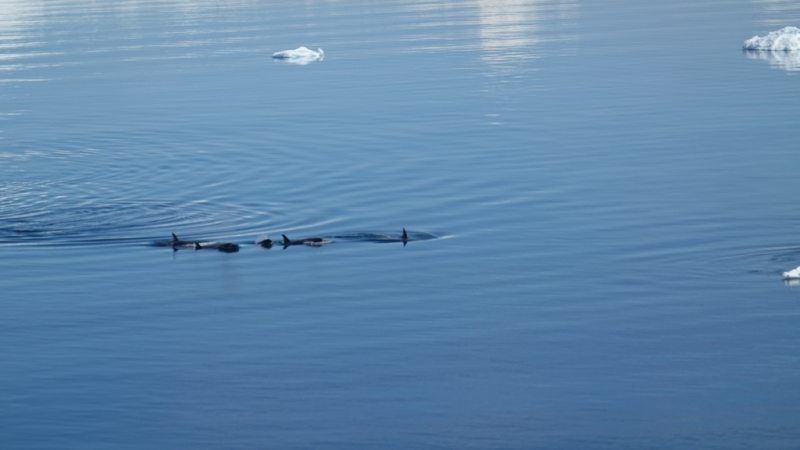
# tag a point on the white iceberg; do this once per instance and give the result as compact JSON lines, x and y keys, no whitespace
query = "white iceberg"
{"x":301,"y":56}
{"x":793,"y":274}
{"x":784,"y":40}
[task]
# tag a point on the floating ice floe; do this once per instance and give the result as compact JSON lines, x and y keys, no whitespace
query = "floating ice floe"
{"x":793,"y":274}
{"x":301,"y":56}
{"x":784,"y":40}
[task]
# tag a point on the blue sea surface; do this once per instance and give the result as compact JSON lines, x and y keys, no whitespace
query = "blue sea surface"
{"x":600,"y":196}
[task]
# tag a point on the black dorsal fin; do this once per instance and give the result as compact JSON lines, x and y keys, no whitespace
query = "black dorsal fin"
{"x":405,"y":235}
{"x":174,"y":238}
{"x":197,"y":246}
{"x":286,"y":239}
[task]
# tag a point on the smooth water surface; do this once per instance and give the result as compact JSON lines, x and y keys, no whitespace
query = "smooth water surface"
{"x":601,"y":196}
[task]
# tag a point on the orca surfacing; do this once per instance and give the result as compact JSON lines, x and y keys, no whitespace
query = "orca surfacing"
{"x":313,"y":241}
{"x":267,"y":243}
{"x":226,"y":247}
{"x":179,"y":243}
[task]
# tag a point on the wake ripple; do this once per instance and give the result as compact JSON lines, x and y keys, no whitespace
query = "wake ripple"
{"x":29,"y":216}
{"x":59,"y":222}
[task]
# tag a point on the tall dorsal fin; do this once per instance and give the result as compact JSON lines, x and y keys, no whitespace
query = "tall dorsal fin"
{"x":174,"y":238}
{"x":286,"y":239}
{"x":405,"y":235}
{"x":197,"y":246}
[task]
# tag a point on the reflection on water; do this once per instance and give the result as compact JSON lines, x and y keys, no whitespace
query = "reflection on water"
{"x":510,"y":28}
{"x":779,"y":13}
{"x":18,"y":16}
{"x":175,"y":28}
{"x":18,"y":37}
{"x":507,"y":30}
{"x":780,"y":60}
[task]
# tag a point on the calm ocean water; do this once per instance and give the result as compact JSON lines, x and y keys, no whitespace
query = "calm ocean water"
{"x":603,"y":196}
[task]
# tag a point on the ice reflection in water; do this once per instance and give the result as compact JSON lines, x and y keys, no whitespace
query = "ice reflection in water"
{"x":780,"y":60}
{"x":179,"y":32}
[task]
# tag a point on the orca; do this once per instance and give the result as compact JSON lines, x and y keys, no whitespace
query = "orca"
{"x":266,"y":243}
{"x":314,"y":241}
{"x":227,"y":247}
{"x":179,"y":243}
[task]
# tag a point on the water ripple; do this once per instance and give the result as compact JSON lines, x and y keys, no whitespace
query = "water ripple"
{"x":93,"y":221}
{"x":30,"y":214}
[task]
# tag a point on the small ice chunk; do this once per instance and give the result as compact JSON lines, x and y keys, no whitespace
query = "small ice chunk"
{"x":792,"y":274}
{"x":300,"y":55}
{"x":784,"y":40}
